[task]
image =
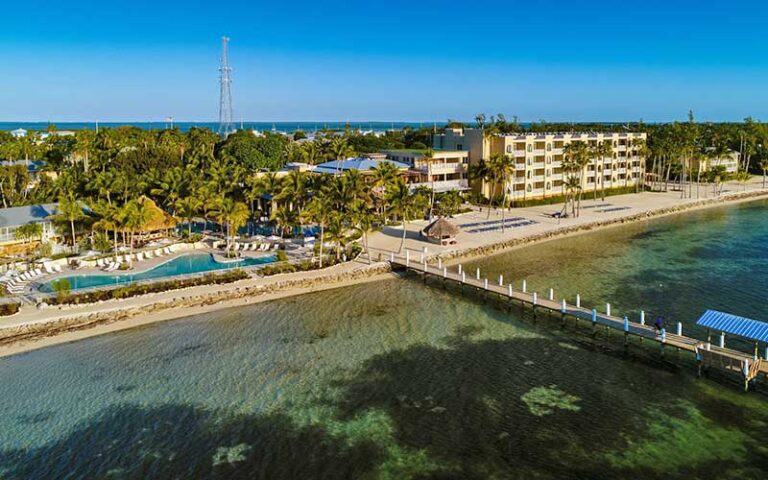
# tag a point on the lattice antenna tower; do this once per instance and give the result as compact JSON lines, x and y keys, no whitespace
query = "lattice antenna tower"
{"x":225,"y":96}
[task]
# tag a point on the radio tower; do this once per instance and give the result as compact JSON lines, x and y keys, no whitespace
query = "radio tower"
{"x":225,"y":97}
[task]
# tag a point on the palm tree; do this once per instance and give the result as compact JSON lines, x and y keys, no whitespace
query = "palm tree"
{"x":70,"y":210}
{"x":363,"y":221}
{"x":480,"y":171}
{"x":643,"y":152}
{"x":233,"y":215}
{"x":598,"y":152}
{"x":401,"y":204}
{"x":503,"y":169}
{"x":28,"y":232}
{"x":109,"y":219}
{"x":319,"y":210}
{"x":576,"y":157}
{"x":188,"y":207}
{"x":285,"y":219}
{"x":764,"y":168}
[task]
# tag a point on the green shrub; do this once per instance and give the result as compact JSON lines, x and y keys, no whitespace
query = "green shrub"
{"x":282,"y":256}
{"x":62,"y":287}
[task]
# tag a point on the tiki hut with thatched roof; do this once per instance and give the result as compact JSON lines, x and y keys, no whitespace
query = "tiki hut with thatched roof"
{"x":441,"y":231}
{"x":155,"y":222}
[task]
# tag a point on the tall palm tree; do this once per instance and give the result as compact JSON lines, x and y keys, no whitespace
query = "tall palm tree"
{"x":576,"y":156}
{"x":502,"y":169}
{"x":764,"y":168}
{"x":363,"y":221}
{"x":285,"y":219}
{"x":319,"y":210}
{"x":233,"y":215}
{"x":598,"y":152}
{"x":480,"y":171}
{"x":70,"y":210}
{"x":401,"y":204}
{"x":188,"y":207}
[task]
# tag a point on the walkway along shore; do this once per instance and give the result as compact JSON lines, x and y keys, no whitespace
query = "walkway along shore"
{"x":34,"y":328}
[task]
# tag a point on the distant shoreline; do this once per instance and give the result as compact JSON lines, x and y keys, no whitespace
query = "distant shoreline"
{"x":53,"y":326}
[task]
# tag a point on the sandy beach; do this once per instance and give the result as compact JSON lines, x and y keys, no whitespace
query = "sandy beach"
{"x":34,"y":328}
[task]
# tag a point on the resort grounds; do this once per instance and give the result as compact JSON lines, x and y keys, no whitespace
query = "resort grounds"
{"x":481,"y":234}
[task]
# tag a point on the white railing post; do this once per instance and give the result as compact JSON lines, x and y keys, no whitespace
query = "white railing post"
{"x":478,"y":274}
{"x":722,"y":339}
{"x":445,"y":272}
{"x":439,"y":262}
{"x":594,"y":316}
{"x":535,"y":298}
{"x":407,"y":257}
{"x":608,"y":309}
{"x":626,"y":324}
{"x":460,"y":269}
{"x":551,"y":293}
{"x":642,"y":317}
{"x":563,"y":307}
{"x":392,"y":257}
{"x":578,"y":301}
{"x":501,"y":280}
{"x":509,"y":291}
{"x":525,"y":286}
{"x":463,"y":277}
{"x":680,"y":328}
{"x":486,"y":284}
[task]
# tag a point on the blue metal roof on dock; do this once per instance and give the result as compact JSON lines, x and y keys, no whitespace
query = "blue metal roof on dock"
{"x":735,"y":325}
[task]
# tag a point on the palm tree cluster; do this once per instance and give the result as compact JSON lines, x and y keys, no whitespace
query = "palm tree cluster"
{"x":189,"y":175}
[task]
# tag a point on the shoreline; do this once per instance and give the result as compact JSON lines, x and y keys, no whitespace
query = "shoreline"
{"x":108,"y":317}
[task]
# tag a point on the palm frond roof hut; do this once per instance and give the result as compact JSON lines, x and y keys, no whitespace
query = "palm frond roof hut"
{"x":441,"y":231}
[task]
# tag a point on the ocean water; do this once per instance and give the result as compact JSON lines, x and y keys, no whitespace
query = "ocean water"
{"x":398,"y":379}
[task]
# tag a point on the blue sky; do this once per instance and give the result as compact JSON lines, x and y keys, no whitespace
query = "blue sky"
{"x":396,"y":60}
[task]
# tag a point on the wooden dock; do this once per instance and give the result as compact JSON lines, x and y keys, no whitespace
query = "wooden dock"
{"x":707,"y":355}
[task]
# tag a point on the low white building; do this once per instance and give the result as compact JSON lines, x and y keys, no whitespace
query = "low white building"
{"x":443,"y":171}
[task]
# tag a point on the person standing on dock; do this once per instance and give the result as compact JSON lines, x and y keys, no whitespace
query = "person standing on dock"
{"x":658,"y":324}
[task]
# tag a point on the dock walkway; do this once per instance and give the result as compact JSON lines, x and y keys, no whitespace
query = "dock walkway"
{"x":708,"y":355}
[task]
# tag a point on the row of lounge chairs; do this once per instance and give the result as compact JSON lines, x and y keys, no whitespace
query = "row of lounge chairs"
{"x":514,"y":224}
{"x":17,"y":284}
{"x":109,"y":265}
{"x":490,"y":222}
{"x":614,"y":209}
{"x":254,"y":247}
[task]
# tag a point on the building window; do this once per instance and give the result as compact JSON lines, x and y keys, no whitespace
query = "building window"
{"x":549,"y":160}
{"x":509,"y":148}
{"x":528,"y":174}
{"x":530,"y":161}
{"x":530,"y":148}
{"x":549,"y":186}
{"x":549,"y":147}
{"x":528,"y":188}
{"x":549,"y":172}
{"x":459,"y":146}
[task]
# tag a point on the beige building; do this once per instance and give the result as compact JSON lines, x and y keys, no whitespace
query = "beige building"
{"x":443,"y":171}
{"x":730,"y":162}
{"x":539,"y":157}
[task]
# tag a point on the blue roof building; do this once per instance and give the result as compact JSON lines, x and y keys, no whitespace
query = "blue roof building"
{"x":361,"y":164}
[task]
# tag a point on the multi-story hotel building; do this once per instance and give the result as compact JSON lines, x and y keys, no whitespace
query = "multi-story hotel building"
{"x":442,"y":170}
{"x":538,"y":159}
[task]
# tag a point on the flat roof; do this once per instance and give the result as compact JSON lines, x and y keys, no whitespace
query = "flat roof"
{"x":360,"y":163}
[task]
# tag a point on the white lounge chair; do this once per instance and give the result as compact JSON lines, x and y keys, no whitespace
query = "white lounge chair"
{"x":275,"y":246}
{"x":100,"y":262}
{"x":48,"y":268}
{"x":167,"y":250}
{"x":57,"y":268}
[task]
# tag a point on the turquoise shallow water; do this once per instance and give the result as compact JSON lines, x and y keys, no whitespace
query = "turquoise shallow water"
{"x":184,"y":265}
{"x":397,"y":379}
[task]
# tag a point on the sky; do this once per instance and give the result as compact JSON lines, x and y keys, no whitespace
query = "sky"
{"x":390,"y":60}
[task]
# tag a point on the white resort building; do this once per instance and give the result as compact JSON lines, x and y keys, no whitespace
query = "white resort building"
{"x":539,"y":158}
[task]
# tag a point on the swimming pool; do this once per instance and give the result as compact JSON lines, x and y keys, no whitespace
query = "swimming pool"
{"x":184,"y":265}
